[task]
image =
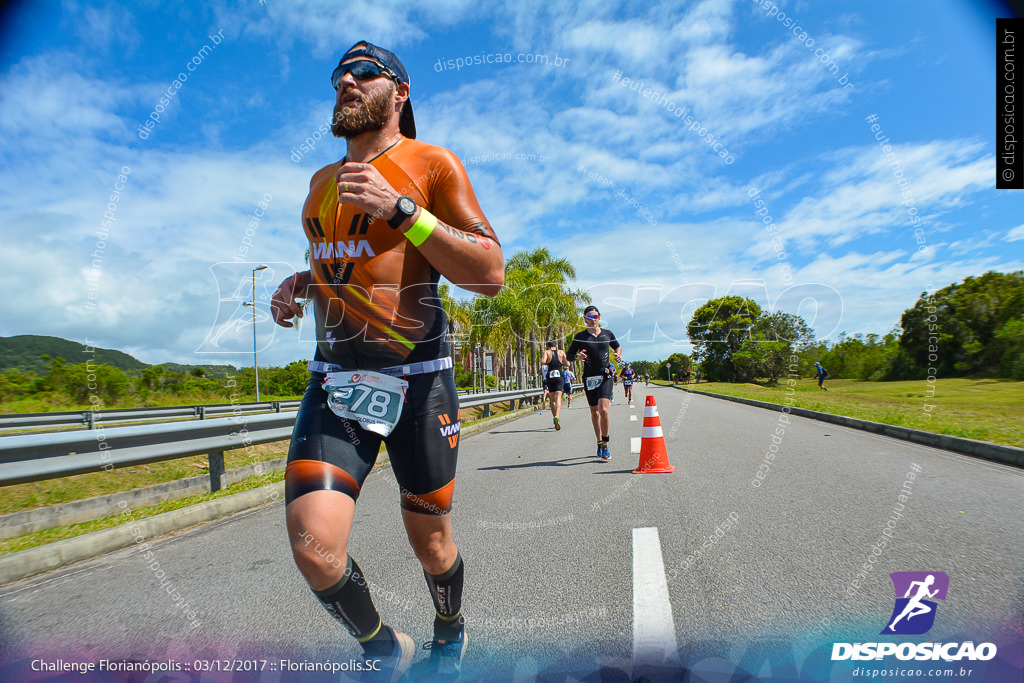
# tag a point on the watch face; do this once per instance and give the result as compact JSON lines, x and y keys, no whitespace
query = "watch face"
{"x":407,"y":206}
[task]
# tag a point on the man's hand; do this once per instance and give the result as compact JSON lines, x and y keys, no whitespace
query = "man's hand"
{"x":283,"y":305}
{"x":618,"y":354}
{"x":582,"y":354}
{"x":363,"y":186}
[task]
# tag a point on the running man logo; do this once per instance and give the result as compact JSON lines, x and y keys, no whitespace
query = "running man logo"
{"x":913,"y":615}
{"x":450,"y":429}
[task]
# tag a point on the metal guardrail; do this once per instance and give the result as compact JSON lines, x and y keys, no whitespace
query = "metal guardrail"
{"x":90,"y":418}
{"x":35,"y":457}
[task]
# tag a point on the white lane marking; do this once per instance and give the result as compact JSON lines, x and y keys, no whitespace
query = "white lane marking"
{"x":632,"y":418}
{"x":66,"y":577}
{"x":654,"y":633}
{"x":634,"y":444}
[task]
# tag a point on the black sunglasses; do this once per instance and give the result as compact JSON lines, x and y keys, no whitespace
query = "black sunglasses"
{"x":363,"y":70}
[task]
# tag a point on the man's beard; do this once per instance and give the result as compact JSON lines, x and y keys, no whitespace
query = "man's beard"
{"x":373,"y":115}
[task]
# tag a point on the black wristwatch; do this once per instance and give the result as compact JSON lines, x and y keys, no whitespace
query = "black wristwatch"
{"x":405,"y":207}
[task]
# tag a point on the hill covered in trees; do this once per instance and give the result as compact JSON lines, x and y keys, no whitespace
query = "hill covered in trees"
{"x":25,"y":353}
{"x":30,"y":353}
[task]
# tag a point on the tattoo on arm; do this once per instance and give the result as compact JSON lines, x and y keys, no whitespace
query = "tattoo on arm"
{"x":464,"y":235}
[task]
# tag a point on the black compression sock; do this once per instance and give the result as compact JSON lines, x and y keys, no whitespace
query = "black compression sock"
{"x":446,"y":592}
{"x":349,"y":602}
{"x":605,"y":438}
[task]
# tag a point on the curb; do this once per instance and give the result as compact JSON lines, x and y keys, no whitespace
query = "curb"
{"x":26,"y":563}
{"x":1006,"y":455}
{"x":495,"y":421}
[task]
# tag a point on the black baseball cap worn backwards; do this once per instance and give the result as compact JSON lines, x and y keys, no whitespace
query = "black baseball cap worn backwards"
{"x":406,"y":123}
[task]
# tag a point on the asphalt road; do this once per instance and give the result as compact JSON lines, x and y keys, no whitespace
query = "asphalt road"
{"x":758,"y":577}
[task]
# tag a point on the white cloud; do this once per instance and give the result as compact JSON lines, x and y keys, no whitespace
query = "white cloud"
{"x":862,"y":196}
{"x":836,"y":205}
{"x":328,"y":28}
{"x":1015,"y":234}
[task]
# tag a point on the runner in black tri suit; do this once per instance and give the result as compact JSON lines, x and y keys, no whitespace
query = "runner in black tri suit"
{"x":592,"y":346}
{"x":383,"y":225}
{"x":554,"y":359}
{"x":628,"y":374}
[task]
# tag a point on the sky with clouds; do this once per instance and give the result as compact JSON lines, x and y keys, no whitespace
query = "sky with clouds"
{"x":638,"y":140}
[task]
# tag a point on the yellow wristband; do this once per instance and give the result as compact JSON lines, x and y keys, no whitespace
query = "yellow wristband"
{"x":421,"y":229}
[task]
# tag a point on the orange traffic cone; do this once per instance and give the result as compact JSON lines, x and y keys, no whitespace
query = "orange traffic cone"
{"x":653,"y":456}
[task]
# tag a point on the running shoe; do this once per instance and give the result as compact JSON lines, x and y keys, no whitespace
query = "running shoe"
{"x":602,"y":451}
{"x":557,"y":426}
{"x":446,"y":658}
{"x":393,"y":667}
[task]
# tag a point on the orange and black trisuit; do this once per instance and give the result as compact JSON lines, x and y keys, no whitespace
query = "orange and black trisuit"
{"x":376,"y":306}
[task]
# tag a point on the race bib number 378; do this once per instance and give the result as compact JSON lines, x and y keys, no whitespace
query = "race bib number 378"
{"x":372,"y":399}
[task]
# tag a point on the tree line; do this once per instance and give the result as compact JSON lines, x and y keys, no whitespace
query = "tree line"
{"x":971,"y":328}
{"x":975,"y":327}
{"x":67,"y":386}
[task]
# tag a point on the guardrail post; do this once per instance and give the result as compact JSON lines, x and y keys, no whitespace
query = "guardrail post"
{"x":202,"y":412}
{"x":487,"y":410}
{"x":216,"y":459}
{"x":277,"y":406}
{"x":90,"y":419}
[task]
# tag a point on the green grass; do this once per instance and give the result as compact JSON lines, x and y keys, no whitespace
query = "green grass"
{"x":37,"y":538}
{"x":983,"y":409}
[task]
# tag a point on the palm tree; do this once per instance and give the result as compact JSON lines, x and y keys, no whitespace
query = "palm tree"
{"x":538,"y":301}
{"x":458,"y":314}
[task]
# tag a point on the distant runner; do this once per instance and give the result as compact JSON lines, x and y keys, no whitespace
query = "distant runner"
{"x":628,"y":374}
{"x":822,"y":375}
{"x":592,"y":346}
{"x":544,"y":384}
{"x":554,"y":360}
{"x":569,"y":376}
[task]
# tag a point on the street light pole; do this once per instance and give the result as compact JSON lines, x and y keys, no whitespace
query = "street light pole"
{"x":255,"y":364}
